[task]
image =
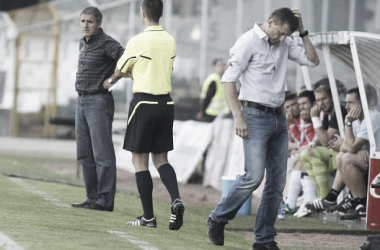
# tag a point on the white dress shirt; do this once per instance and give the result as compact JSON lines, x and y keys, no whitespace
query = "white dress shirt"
{"x":262,"y":67}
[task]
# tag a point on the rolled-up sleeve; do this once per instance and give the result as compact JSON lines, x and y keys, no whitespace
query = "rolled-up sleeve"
{"x":129,"y":57}
{"x":240,"y":55}
{"x":298,"y":54}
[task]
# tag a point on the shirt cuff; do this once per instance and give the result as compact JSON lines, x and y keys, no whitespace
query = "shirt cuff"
{"x":232,"y":73}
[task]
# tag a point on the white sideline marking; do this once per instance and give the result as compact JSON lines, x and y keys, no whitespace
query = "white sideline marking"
{"x":140,"y":243}
{"x":8,"y":244}
{"x":34,"y":190}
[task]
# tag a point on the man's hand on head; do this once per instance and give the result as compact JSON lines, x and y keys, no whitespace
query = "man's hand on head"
{"x":354,"y":113}
{"x":300,"y":28}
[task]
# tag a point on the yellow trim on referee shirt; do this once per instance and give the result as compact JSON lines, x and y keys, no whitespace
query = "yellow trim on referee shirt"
{"x":170,"y":103}
{"x":150,"y":55}
{"x":137,"y":105}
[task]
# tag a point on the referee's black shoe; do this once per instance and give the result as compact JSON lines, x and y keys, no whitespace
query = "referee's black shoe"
{"x":176,"y":217}
{"x":142,"y":222}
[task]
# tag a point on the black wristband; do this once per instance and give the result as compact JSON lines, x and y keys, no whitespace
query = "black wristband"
{"x":304,"y":34}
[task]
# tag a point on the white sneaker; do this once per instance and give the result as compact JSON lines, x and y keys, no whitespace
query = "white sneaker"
{"x":299,"y":210}
{"x":302,"y":212}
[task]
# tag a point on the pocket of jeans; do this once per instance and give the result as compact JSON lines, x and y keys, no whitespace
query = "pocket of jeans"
{"x":99,"y":98}
{"x":110,"y":111}
{"x":247,"y":111}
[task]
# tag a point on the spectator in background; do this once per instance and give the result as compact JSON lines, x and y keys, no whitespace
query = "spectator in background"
{"x":98,"y":54}
{"x":293,"y":119}
{"x":292,"y":114}
{"x":318,"y":159}
{"x":213,"y":101}
{"x":302,"y":134}
{"x":306,"y":100}
{"x":298,"y":118}
{"x":354,"y":167}
{"x":351,"y":161}
{"x":355,"y":149}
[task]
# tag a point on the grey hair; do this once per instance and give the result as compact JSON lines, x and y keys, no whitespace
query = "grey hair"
{"x":93,"y":11}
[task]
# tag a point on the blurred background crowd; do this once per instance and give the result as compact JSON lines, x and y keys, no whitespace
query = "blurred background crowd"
{"x":39,"y":50}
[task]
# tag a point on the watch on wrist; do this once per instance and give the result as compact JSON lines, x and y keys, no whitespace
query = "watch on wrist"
{"x":348,"y":124}
{"x":305,"y":33}
{"x":110,"y":81}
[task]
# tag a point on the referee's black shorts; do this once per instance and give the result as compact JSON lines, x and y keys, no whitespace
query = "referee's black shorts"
{"x":150,"y":124}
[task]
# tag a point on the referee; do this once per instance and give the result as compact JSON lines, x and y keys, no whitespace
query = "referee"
{"x":148,"y":59}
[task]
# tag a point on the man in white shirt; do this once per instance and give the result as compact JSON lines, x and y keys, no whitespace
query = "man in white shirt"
{"x":354,"y":153}
{"x":354,"y":158}
{"x":259,"y":58}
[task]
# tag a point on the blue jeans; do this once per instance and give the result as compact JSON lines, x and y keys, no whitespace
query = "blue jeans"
{"x":95,"y":150}
{"x":266,"y":148}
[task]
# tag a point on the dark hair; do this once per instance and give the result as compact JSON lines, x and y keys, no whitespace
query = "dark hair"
{"x":309,"y":94}
{"x":93,"y":11}
{"x":285,"y":16}
{"x":216,"y":60}
{"x":153,"y":9}
{"x":355,"y":91}
{"x":290,"y":96}
{"x":371,"y":93}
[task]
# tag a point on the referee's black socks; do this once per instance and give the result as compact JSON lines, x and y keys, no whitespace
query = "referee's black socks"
{"x":169,"y":178}
{"x":145,"y":187}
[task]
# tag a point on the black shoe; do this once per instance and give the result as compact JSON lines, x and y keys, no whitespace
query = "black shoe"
{"x":142,"y":222}
{"x":82,"y":205}
{"x":343,"y":207}
{"x":373,"y":244}
{"x":265,"y":246}
{"x":176,"y":217}
{"x":373,"y":237}
{"x":215,"y":231}
{"x":356,"y":213}
{"x":96,"y":206}
{"x":320,"y":205}
{"x":366,"y":246}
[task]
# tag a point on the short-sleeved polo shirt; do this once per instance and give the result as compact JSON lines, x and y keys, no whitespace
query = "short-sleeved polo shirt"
{"x":150,"y":55}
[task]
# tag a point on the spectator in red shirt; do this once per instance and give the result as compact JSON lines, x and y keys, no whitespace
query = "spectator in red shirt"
{"x":301,"y":132}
